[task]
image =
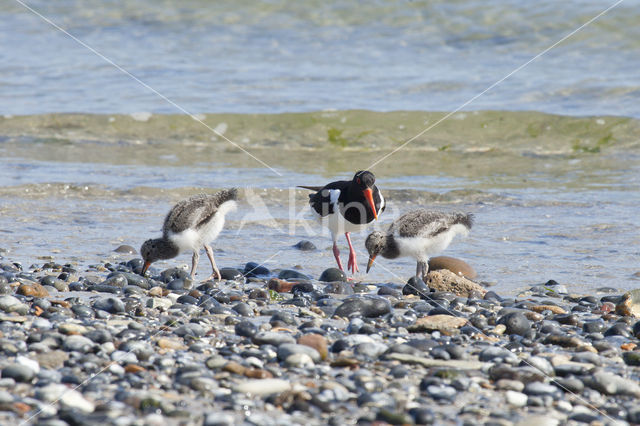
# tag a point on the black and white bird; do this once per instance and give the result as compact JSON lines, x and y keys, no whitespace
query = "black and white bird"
{"x":191,"y":225}
{"x":347,"y":206}
{"x":419,"y":234}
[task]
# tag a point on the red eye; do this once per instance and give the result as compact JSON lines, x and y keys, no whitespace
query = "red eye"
{"x":358,"y":181}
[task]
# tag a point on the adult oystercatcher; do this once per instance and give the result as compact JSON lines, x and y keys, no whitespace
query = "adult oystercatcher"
{"x":419,"y":234}
{"x":191,"y":224}
{"x":348,"y":206}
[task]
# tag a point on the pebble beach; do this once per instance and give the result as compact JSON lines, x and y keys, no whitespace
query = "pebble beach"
{"x":277,"y":346}
{"x":524,"y":115}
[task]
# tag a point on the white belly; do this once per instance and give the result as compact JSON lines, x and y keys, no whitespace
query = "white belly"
{"x":422,"y":248}
{"x":337,"y":224}
{"x":193,"y":240}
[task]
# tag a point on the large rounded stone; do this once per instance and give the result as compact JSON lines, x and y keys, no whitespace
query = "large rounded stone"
{"x":457,"y":266}
{"x":445,"y":280}
{"x":332,"y":274}
{"x":368,"y":307}
{"x":516,"y":323}
{"x":19,"y":373}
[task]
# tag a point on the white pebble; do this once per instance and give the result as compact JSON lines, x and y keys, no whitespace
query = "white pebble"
{"x":29,"y":363}
{"x":517,"y":399}
{"x":263,"y":387}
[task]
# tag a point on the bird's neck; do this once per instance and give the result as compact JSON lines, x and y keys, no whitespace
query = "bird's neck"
{"x":166,"y":249}
{"x":391,"y":249}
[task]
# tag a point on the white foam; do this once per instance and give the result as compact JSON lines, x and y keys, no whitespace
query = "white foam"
{"x":221,"y":128}
{"x":141,"y":116}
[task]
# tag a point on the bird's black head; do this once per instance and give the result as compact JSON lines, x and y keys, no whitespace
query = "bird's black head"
{"x":364,"y":179}
{"x":156,"y":249}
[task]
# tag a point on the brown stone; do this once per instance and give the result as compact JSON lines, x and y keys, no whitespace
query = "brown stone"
{"x":53,"y":360}
{"x":628,"y":346}
{"x":166,"y":343}
{"x":533,"y":316}
{"x":234,"y":367}
{"x":21,"y":408}
{"x":317,"y":342}
{"x":457,"y":266}
{"x":32,"y":290}
{"x":345,"y":362}
{"x":630,"y":304}
{"x":442,"y":323}
{"x":553,"y":308}
{"x":258,"y":373}
{"x":281,"y":286}
{"x":445,"y":280}
{"x":134,"y":368}
{"x":62,"y":303}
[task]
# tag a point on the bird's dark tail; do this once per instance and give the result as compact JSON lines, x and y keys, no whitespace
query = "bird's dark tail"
{"x":227,"y":195}
{"x":311,"y":188}
{"x":465,"y":219}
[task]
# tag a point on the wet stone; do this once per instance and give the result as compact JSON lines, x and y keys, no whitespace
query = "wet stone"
{"x":539,"y":388}
{"x":338,"y":288}
{"x":516,"y":323}
{"x":243,"y":309}
{"x":253,"y":269}
{"x":11,"y":304}
{"x":368,"y":307}
{"x":618,"y":329}
{"x":75,"y":343}
{"x":272,"y":338}
{"x":187,"y":300}
{"x":305,"y":245}
{"x":302,"y":288}
{"x":190,"y":329}
{"x":246,"y":329}
{"x":231,"y":274}
{"x":631,"y":358}
{"x":287,"y":349}
{"x":109,"y":304}
{"x":416,"y":287}
{"x":125,"y":249}
{"x":291,"y":274}
{"x":116,"y":279}
{"x":283,"y":317}
{"x":176,"y":285}
{"x":569,"y":384}
{"x":19,"y":373}
{"x":332,"y":275}
{"x":594,"y":326}
{"x":105,"y":288}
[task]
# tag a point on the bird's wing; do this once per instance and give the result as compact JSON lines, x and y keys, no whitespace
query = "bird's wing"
{"x":325,"y":200}
{"x":311,"y":188}
{"x":196,"y":211}
{"x":427,"y":223}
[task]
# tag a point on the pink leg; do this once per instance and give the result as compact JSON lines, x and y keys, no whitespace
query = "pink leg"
{"x":353,"y":265}
{"x":336,"y":253}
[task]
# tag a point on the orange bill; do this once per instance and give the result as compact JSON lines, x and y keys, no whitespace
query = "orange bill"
{"x":144,"y":268}
{"x":368,"y":194}
{"x":370,"y":263}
